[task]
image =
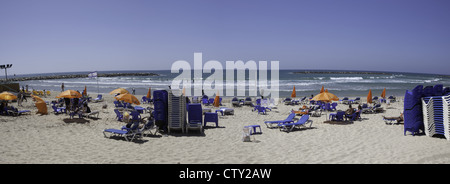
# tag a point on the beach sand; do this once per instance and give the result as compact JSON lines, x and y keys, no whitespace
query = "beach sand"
{"x":51,"y":138}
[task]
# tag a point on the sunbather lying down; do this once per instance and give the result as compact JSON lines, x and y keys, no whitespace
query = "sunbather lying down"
{"x":398,"y":119}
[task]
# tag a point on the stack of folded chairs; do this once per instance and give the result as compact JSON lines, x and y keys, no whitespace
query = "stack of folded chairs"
{"x":176,"y":112}
{"x":432,"y":116}
{"x":435,"y":107}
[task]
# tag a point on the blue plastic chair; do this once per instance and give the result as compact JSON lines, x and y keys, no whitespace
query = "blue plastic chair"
{"x":261,"y":110}
{"x":119,"y":116}
{"x":211,"y":117}
{"x":339,"y":116}
{"x":195,"y":117}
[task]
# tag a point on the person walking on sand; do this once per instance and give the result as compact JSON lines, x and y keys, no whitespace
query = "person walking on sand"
{"x":62,"y":87}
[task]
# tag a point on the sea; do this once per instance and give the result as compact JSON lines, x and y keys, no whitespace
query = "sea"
{"x":307,"y":83}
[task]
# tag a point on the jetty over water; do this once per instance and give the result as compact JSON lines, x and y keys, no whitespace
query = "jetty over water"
{"x":341,"y":72}
{"x":70,"y":76}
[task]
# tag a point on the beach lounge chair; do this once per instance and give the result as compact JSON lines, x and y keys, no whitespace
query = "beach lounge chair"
{"x":195,"y":120}
{"x":287,"y":101}
{"x":248,"y":101}
{"x":148,"y":127}
{"x":15,"y":112}
{"x":225,"y":111}
{"x":128,"y":133}
{"x":99,"y":98}
{"x":288,"y":127}
{"x":272,"y":124}
{"x":59,"y":110}
{"x":345,"y":100}
{"x":391,"y":120}
{"x":235,"y":102}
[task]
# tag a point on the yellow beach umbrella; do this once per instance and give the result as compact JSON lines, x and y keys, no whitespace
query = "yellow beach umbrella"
{"x":69,"y":94}
{"x":333,"y":97}
{"x":7,"y":96}
{"x":119,"y":90}
{"x":369,"y":96}
{"x":37,"y":99}
{"x":321,"y":91}
{"x":294,"y":94}
{"x":325,"y":97}
{"x":129,"y":98}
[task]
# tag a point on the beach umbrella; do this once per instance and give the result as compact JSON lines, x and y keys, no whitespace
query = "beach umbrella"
{"x":84,"y":91}
{"x":217,"y":100}
{"x":149,"y":93}
{"x":294,"y":94}
{"x":119,"y":90}
{"x":321,"y":91}
{"x":369,"y":96}
{"x":325,"y":97}
{"x":383,"y":94}
{"x":69,"y":94}
{"x":42,"y":107}
{"x":37,"y":99}
{"x":333,"y":97}
{"x":129,"y":98}
{"x":7,"y":96}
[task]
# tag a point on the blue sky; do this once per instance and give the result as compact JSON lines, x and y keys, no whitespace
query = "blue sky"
{"x":86,"y":35}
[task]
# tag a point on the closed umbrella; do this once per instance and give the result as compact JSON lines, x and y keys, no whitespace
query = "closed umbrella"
{"x":84,"y":91}
{"x":294,"y":94}
{"x":217,"y":100}
{"x":129,"y":98}
{"x":69,"y":94}
{"x":383,"y":94}
{"x":149,"y":93}
{"x":369,"y":96}
{"x":7,"y":96}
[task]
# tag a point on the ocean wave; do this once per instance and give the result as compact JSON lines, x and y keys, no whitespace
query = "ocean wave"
{"x":346,"y":78}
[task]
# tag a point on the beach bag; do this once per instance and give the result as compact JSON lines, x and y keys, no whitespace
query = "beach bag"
{"x":246,"y":136}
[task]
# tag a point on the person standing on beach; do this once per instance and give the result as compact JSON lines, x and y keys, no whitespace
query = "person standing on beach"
{"x":62,"y":86}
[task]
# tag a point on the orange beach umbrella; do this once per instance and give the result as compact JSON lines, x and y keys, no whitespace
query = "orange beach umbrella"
{"x":119,"y":90}
{"x":69,"y":94}
{"x":217,"y":100}
{"x":294,"y":94}
{"x":37,"y":99}
{"x":325,"y":96}
{"x":369,"y":96}
{"x":129,"y":98}
{"x":383,"y":94}
{"x":149,"y":93}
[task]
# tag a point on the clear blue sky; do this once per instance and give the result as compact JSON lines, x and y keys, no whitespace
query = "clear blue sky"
{"x":86,"y":35}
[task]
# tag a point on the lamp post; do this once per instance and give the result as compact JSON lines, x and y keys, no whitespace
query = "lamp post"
{"x":6,"y":67}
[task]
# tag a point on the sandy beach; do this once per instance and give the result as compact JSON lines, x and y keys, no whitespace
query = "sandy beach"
{"x":57,"y":139}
